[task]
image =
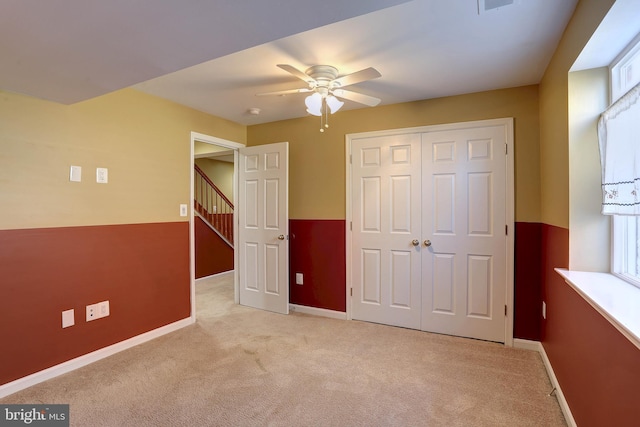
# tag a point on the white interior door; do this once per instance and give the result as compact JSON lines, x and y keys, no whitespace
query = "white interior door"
{"x":264,"y":227}
{"x":386,"y":220}
{"x":444,"y":187}
{"x":463,"y":212}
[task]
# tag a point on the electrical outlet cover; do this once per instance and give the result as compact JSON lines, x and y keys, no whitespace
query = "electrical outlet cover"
{"x":68,"y":318}
{"x":103,"y":309}
{"x":92,"y":312}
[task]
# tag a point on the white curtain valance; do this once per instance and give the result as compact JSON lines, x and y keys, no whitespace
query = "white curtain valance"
{"x":619,"y":137}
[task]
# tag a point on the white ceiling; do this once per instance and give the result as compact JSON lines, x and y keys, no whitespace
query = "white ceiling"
{"x":617,"y":30}
{"x":71,"y":50}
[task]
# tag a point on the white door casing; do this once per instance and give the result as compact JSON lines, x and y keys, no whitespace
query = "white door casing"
{"x":264,"y":227}
{"x":465,"y":201}
{"x":231,"y":145}
{"x":386,"y":219}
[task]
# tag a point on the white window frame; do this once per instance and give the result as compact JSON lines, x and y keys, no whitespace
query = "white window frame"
{"x":622,"y":245}
{"x":621,"y":79}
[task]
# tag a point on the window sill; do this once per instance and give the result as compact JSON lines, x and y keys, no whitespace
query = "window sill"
{"x":615,"y":299}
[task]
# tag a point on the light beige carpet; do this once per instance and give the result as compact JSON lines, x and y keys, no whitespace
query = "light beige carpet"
{"x":243,"y":367}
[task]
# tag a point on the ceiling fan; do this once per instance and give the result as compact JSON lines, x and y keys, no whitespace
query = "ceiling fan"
{"x":327,"y":87}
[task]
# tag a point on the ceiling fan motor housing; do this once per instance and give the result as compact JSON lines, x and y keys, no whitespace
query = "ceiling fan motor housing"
{"x":324,"y":81}
{"x":322,"y":74}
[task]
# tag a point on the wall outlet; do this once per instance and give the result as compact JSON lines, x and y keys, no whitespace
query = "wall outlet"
{"x":97,"y":311}
{"x":92,"y":312}
{"x":299,"y":279}
{"x":103,"y":309}
{"x":544,"y":310}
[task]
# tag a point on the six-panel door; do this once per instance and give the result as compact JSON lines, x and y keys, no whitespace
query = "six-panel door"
{"x":428,"y":231}
{"x":264,"y":227}
{"x":386,"y":221}
{"x":463,"y":216}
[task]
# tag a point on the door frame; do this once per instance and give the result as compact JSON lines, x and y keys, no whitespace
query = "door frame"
{"x":510,"y":203}
{"x":235,"y":146}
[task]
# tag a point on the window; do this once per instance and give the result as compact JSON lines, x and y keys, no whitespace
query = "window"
{"x":625,"y":262}
{"x":625,"y":70}
{"x":625,"y":76}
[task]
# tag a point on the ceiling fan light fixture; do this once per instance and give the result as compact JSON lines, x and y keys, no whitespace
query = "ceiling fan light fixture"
{"x":326,"y":86}
{"x":334,"y":103}
{"x":314,"y":104}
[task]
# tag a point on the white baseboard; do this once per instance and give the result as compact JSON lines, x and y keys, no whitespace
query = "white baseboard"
{"x":527,"y":344}
{"x":568,"y":416}
{"x":224,"y":273}
{"x":86,"y":359}
{"x":537,"y":346}
{"x":323,"y":312}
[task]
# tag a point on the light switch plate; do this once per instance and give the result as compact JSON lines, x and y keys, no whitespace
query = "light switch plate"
{"x":299,"y":279}
{"x":75,"y":174}
{"x":102,"y":175}
{"x":183,"y":210}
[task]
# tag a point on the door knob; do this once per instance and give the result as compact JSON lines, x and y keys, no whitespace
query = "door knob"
{"x":281,"y":237}
{"x":427,"y":243}
{"x":415,"y":242}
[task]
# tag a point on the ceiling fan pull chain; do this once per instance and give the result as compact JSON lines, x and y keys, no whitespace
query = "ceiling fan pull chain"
{"x":326,"y":114}
{"x":323,"y":115}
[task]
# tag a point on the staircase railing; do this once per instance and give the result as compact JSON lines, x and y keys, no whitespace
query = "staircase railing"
{"x":212,"y":205}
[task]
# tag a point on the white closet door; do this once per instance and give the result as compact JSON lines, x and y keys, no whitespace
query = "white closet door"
{"x":463,"y":217}
{"x":452,"y":200}
{"x":386,"y":221}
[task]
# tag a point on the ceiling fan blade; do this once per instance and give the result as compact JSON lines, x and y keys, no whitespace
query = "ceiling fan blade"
{"x":294,"y":71}
{"x":357,"y":97}
{"x":357,"y":77}
{"x":285,"y":92}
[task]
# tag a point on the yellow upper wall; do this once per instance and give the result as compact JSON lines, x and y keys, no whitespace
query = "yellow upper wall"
{"x":554,"y":111}
{"x":144,"y":141}
{"x":317,"y":165}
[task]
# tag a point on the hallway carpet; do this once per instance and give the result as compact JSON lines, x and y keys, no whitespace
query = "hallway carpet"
{"x":239,"y":366}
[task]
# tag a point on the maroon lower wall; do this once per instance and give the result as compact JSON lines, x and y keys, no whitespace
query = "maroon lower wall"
{"x":142,"y":269}
{"x":528,"y":281}
{"x":213,"y":255}
{"x":598,"y":368}
{"x":317,"y":250}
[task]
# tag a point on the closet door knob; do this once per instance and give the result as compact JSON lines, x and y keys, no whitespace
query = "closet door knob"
{"x":427,"y":243}
{"x":281,"y":237}
{"x":415,"y":242}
